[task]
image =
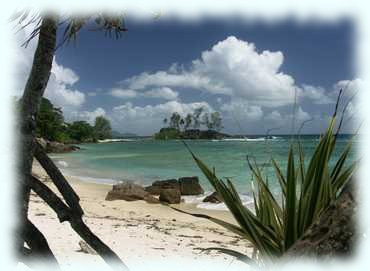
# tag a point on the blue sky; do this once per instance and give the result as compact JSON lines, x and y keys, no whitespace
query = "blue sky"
{"x":318,"y":54}
{"x":250,"y":71}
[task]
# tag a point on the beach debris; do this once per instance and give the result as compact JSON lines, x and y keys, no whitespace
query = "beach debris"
{"x":190,"y":186}
{"x":213,"y":198}
{"x":170,"y":195}
{"x":85,"y":248}
{"x":40,"y":214}
{"x":190,"y":236}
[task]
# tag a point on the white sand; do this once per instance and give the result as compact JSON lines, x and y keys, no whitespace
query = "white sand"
{"x":134,"y":230}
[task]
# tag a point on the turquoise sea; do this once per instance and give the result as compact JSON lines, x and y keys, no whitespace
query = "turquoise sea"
{"x":145,"y":160}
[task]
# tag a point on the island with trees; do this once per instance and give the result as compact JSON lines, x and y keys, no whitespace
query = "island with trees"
{"x":190,"y":126}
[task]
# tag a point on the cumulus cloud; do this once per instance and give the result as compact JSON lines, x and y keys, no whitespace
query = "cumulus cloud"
{"x":244,"y":82}
{"x":286,"y":122}
{"x":88,"y":116}
{"x":254,"y":89}
{"x":165,"y":93}
{"x":236,"y":68}
{"x":349,"y":87}
{"x":231,"y":67}
{"x":316,"y":94}
{"x":64,"y":75}
{"x":320,"y":95}
{"x":123,"y":93}
{"x":172,"y":78}
{"x":147,"y":119}
{"x":239,"y":109}
{"x":60,"y":89}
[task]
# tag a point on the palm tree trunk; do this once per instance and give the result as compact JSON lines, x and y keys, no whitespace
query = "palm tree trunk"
{"x":30,"y":103}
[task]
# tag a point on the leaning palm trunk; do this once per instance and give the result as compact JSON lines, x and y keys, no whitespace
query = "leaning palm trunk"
{"x":67,"y":208}
{"x":30,"y":103}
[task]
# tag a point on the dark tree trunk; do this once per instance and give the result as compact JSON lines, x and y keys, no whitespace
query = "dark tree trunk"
{"x":39,"y":251}
{"x":72,"y":215}
{"x":30,"y":103}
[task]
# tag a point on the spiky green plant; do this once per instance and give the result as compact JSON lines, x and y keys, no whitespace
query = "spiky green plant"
{"x":275,"y":225}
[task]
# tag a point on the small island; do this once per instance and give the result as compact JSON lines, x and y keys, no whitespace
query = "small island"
{"x":189,"y":126}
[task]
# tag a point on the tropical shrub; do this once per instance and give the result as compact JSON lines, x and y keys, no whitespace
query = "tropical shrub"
{"x":306,"y":192}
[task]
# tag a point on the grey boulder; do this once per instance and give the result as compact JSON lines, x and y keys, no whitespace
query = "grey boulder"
{"x":170,"y":195}
{"x":190,"y":186}
{"x":130,"y":192}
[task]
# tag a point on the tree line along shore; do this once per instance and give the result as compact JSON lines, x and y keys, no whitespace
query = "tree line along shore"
{"x":54,"y":132}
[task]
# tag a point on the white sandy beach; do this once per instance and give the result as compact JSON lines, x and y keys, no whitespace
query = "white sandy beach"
{"x":134,"y":230}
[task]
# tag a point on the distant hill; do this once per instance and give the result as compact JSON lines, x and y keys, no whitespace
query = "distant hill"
{"x":116,"y":134}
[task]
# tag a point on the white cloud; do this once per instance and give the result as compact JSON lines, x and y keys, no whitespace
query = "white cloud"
{"x":148,"y":119}
{"x":123,"y":93}
{"x":235,"y":68}
{"x":180,"y":78}
{"x":274,"y":116}
{"x":283,"y":123}
{"x":64,"y":75}
{"x":242,"y":110}
{"x":350,"y":87}
{"x":251,"y":83}
{"x":232,"y":67}
{"x":318,"y":95}
{"x":301,"y":115}
{"x":164,"y":93}
{"x":59,"y":89}
{"x":88,"y":116}
{"x":62,"y":79}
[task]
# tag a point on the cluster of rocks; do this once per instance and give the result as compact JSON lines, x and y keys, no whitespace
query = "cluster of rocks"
{"x":130,"y":192}
{"x":169,"y":191}
{"x":56,"y":147}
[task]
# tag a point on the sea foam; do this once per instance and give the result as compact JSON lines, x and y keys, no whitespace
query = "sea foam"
{"x":198,"y":201}
{"x":63,"y":163}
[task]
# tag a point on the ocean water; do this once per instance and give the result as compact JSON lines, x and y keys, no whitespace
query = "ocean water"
{"x":144,"y":160}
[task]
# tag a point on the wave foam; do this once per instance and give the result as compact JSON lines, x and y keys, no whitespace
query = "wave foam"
{"x":63,"y":163}
{"x":95,"y":180}
{"x":247,"y":139}
{"x":198,"y":201}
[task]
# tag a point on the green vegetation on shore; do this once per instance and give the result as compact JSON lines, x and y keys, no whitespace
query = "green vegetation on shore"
{"x":51,"y":126}
{"x":189,"y":126}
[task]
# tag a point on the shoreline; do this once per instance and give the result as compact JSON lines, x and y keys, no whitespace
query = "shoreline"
{"x":134,"y":230}
{"x":196,"y":201}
